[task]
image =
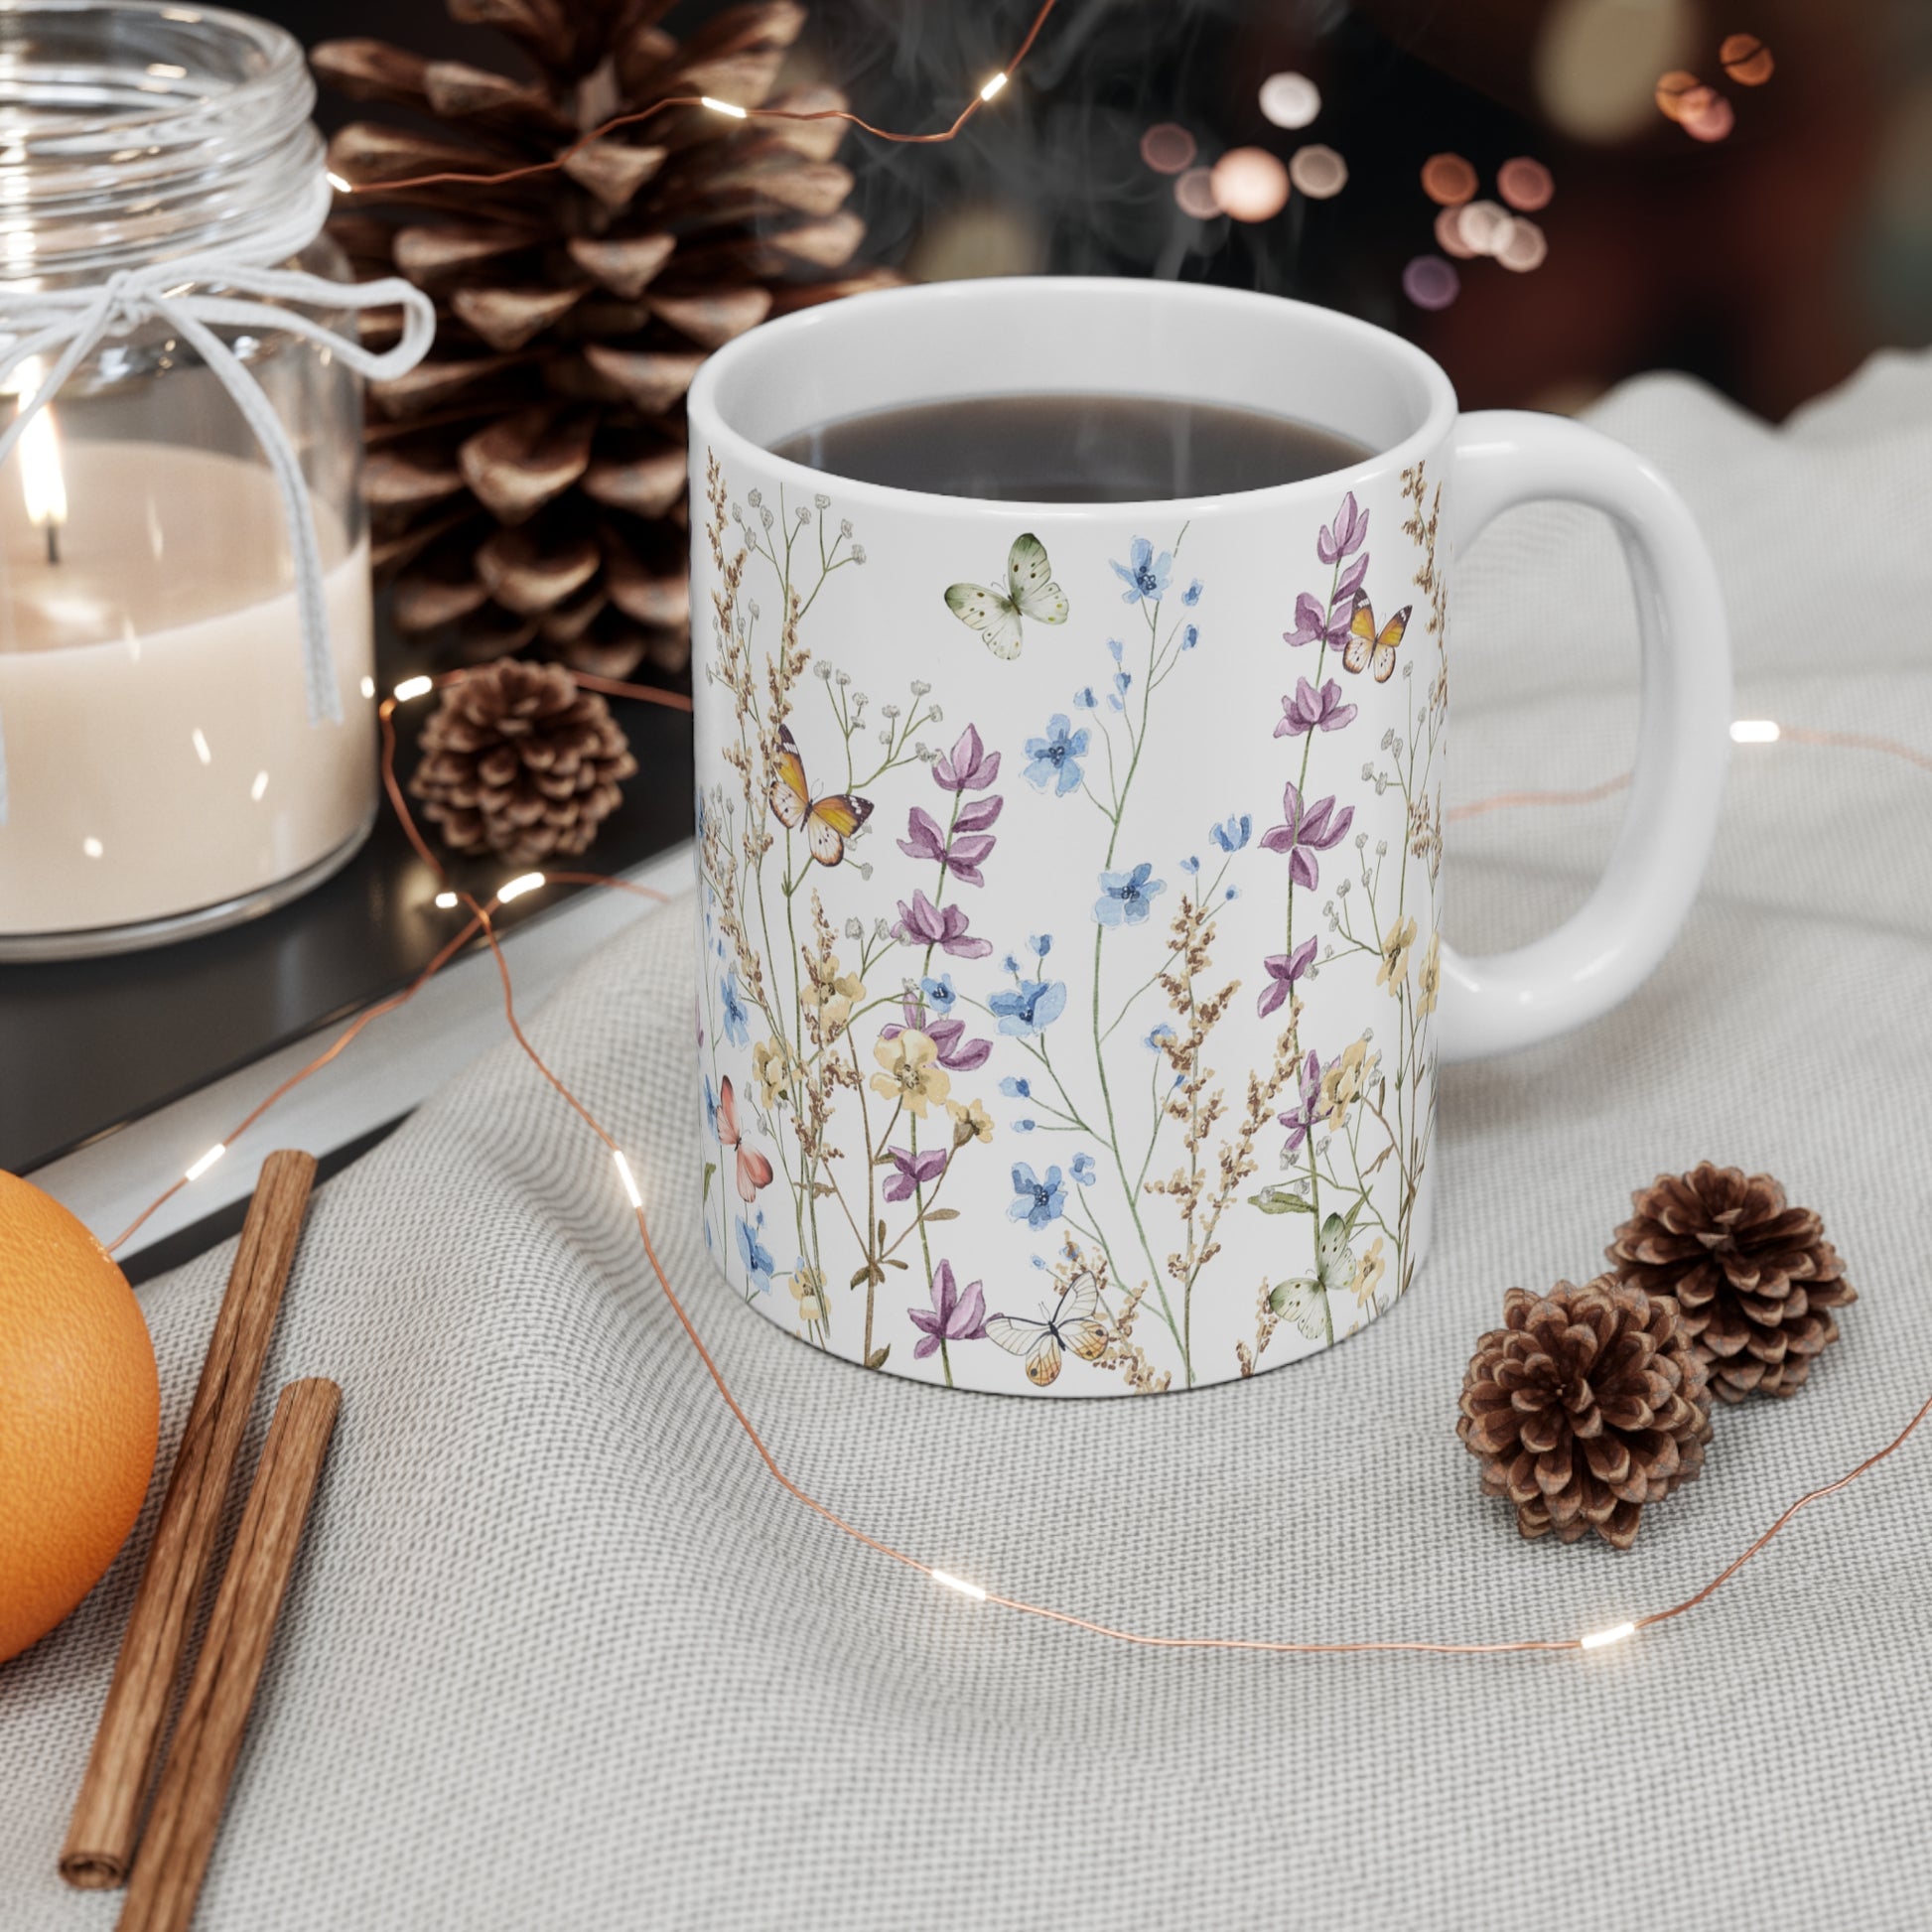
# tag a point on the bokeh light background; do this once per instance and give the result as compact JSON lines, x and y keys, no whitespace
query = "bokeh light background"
{"x":1765,"y":234}
{"x":1549,"y":195}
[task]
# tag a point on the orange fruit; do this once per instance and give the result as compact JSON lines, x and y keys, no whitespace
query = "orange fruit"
{"x":79,"y":1412}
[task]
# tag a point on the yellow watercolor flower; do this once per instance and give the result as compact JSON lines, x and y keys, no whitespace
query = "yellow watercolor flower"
{"x":969,"y":1123}
{"x":912,"y":1075}
{"x":808,"y":1290}
{"x":774,"y":1067}
{"x":1395,"y":956}
{"x":831,"y":993}
{"x":1341,"y":1084}
{"x":1429,"y":978}
{"x":1368,"y":1272}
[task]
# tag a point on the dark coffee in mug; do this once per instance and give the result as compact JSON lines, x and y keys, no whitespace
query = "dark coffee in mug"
{"x":1071,"y":449}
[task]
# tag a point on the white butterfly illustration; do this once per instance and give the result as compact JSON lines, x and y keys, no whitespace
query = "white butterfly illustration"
{"x":1074,"y":1323}
{"x":1031,"y":593}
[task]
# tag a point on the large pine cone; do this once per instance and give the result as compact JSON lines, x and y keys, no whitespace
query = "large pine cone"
{"x":527,"y":482}
{"x":1585,"y":1405}
{"x":520,"y":762}
{"x":1756,"y":1280}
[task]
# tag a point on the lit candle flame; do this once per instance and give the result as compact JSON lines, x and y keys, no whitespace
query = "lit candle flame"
{"x":42,"y":480}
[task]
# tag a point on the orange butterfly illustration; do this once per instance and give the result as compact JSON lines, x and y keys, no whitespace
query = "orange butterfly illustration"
{"x":1369,"y":648}
{"x":828,"y":821}
{"x":754,"y":1170}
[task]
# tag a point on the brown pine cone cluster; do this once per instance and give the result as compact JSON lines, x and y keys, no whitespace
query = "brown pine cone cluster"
{"x":528,"y":480}
{"x":520,"y":762}
{"x":1755,"y":1278}
{"x":1585,"y":1405}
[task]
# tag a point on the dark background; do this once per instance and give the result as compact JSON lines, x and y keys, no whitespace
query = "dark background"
{"x":1769,"y":263}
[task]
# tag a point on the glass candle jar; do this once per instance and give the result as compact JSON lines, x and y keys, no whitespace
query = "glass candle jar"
{"x":167,"y":767}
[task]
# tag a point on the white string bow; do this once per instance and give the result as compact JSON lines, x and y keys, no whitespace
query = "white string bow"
{"x":70,"y":324}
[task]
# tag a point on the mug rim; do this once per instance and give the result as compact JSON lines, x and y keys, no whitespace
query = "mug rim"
{"x":793,"y":332}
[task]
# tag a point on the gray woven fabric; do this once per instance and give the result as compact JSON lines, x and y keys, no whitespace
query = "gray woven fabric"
{"x":561,"y":1654}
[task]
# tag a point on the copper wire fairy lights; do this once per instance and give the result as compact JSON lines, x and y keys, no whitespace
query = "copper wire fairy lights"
{"x":480,"y":921}
{"x":730,"y":110}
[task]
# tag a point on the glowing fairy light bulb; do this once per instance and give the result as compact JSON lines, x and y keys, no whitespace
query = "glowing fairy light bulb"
{"x":414,"y":687}
{"x":630,"y":1180}
{"x":993,"y":87}
{"x":947,"y":1581}
{"x":1597,"y":1639}
{"x":736,"y":112}
{"x":335,"y":182}
{"x":1755,"y":730}
{"x":524,"y":881}
{"x":206,"y":1161}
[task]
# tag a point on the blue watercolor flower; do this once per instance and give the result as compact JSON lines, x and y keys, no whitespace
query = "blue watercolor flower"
{"x":738,"y":1024}
{"x":1036,"y":1201}
{"x":939,"y":994}
{"x":1023,"y":1126}
{"x":1125,"y":896}
{"x":1233,"y":833}
{"x":1191,"y":863}
{"x":1017,"y":1090}
{"x":758,"y":1264}
{"x":1056,"y":756}
{"x":1040,"y":942}
{"x":1190,"y":636}
{"x":1085,"y":698}
{"x":1083,"y":1170}
{"x":1161,"y":1036}
{"x":1115,"y":648}
{"x":1145,"y":576}
{"x":1028,"y":1007}
{"x":1192,"y":594}
{"x":709,"y":1108}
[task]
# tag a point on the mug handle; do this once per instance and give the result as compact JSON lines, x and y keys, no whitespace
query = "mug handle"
{"x":1599,"y":955}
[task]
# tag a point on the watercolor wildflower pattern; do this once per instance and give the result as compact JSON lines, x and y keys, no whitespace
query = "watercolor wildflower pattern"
{"x":897,"y":1040}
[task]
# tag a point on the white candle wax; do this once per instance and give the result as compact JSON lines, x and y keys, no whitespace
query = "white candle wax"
{"x":159,"y":751}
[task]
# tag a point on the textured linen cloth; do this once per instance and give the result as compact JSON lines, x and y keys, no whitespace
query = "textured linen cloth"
{"x":561,"y":1654}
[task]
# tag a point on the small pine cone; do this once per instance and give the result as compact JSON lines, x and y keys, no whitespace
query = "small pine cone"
{"x":1756,"y":1280}
{"x":1587,"y":1404}
{"x":520,"y":762}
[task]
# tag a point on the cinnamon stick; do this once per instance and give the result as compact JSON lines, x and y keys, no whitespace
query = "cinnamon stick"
{"x":106,"y":1815}
{"x":179,"y":1839}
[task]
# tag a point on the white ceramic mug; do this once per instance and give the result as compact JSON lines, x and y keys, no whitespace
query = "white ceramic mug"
{"x":1069,"y":1019}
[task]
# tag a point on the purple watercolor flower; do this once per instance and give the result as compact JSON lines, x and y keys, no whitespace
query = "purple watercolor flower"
{"x":924,"y":840}
{"x":1312,"y":627}
{"x":1304,"y":833}
{"x":968,"y":766}
{"x":1345,"y":535}
{"x":956,"y":1052}
{"x":954,"y":1317}
{"x":1284,"y":969}
{"x":970,"y":846}
{"x":1311,"y":709}
{"x":913,"y":1171}
{"x":924,"y":925}
{"x":1350,"y":580}
{"x":1307,"y":1112}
